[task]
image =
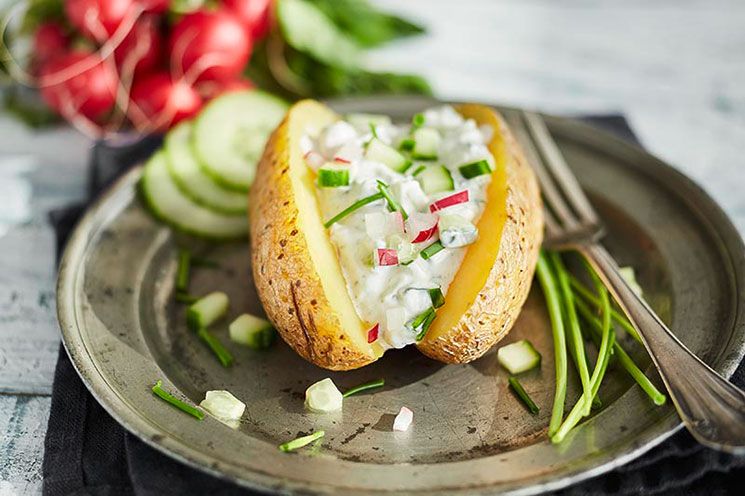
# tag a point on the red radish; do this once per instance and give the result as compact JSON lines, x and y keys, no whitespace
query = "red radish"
{"x":254,"y":14}
{"x":49,"y":40}
{"x":449,"y":201}
{"x":209,"y":46}
{"x":90,"y":92}
{"x":95,"y":18}
{"x":211,"y":89}
{"x":385,"y":257}
{"x":422,"y":226}
{"x":159,"y":102}
{"x":141,"y":48}
{"x":342,"y":160}
{"x":314,"y":159}
{"x":372,"y":334}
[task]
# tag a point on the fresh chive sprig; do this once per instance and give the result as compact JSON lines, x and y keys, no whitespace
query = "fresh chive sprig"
{"x":301,"y":441}
{"x":353,"y":207}
{"x":214,"y":344}
{"x":378,"y":383}
{"x":171,"y":399}
{"x":523,"y":395}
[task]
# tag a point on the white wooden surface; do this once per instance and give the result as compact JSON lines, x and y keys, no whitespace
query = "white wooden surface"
{"x":676,"y":68}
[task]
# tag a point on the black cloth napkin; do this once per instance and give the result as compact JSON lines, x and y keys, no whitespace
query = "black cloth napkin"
{"x":87,"y":452}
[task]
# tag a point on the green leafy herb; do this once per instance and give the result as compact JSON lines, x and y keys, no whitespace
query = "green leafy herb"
{"x":181,"y":405}
{"x":364,"y":387}
{"x":301,"y":441}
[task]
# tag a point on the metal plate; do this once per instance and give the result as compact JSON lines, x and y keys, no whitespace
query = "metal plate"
{"x":470,"y":435}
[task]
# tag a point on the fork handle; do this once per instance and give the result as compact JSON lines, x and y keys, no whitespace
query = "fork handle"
{"x":711,"y":408}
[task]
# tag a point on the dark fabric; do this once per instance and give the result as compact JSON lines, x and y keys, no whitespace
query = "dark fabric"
{"x":87,"y":452}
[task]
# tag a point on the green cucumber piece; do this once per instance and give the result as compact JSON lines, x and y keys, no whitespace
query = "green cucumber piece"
{"x":230,"y":133}
{"x":207,"y":310}
{"x":518,"y":357}
{"x":438,"y":299}
{"x":426,"y":143}
{"x":166,"y":201}
{"x":435,"y":179}
{"x":406,"y":144}
{"x":193,"y":181}
{"x":333,"y":177}
{"x":377,"y":151}
{"x":251,"y":331}
{"x":475,"y":169}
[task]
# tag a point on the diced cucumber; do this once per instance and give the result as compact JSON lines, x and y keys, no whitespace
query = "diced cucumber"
{"x":406,"y":144}
{"x":435,"y":179}
{"x":207,"y":310}
{"x":330,"y":176}
{"x":193,"y":181}
{"x":323,"y":397}
{"x":438,"y":299}
{"x":518,"y":357}
{"x":230,"y":133}
{"x":362,"y":122}
{"x":426,"y":143}
{"x":166,"y":201}
{"x":251,"y":331}
{"x":475,"y":169}
{"x":377,"y":151}
{"x":456,"y":231}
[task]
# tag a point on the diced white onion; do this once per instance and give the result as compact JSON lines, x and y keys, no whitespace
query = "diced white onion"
{"x":335,"y":136}
{"x":323,"y":397}
{"x":395,"y":318}
{"x":403,"y":420}
{"x":223,"y":405}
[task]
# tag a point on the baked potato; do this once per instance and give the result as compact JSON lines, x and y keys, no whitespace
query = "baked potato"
{"x":301,"y":281}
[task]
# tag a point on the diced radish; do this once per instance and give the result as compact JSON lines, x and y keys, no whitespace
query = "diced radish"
{"x":422,"y":226}
{"x":385,"y":257}
{"x":342,"y":160}
{"x":449,"y":201}
{"x":314,"y":159}
{"x":378,"y":225}
{"x":403,"y":420}
{"x":372,"y":334}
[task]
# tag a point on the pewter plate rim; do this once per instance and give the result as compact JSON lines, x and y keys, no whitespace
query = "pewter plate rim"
{"x":119,"y":408}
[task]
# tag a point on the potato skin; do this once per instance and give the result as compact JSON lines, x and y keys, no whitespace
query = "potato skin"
{"x":288,"y":286}
{"x":497,"y":305}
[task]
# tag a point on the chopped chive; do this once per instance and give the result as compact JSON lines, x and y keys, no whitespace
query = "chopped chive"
{"x":204,"y":262}
{"x":364,"y":387}
{"x":372,"y":129}
{"x":432,"y":250}
{"x":426,"y":324}
{"x":419,"y":319}
{"x":183,"y":297}
{"x":407,"y":144}
{"x":181,"y":405}
{"x":553,"y":302}
{"x":301,"y":441}
{"x":354,"y":206}
{"x":523,"y":395}
{"x":419,"y":169}
{"x":588,"y":295}
{"x":214,"y":344}
{"x":417,"y":121}
{"x":475,"y":169}
{"x":393,"y":205}
{"x":182,"y":272}
{"x":437,"y":297}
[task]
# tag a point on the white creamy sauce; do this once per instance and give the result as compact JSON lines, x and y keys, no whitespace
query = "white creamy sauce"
{"x":394,"y":296}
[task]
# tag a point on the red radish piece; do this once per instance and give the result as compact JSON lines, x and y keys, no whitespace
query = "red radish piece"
{"x":209,"y":46}
{"x":386,"y":257}
{"x":314,"y":159}
{"x":49,"y":40}
{"x":212,"y":89}
{"x":159,"y":102}
{"x":449,"y":201}
{"x":342,"y":160}
{"x":90,"y":17}
{"x":90,"y":93}
{"x":422,"y":226}
{"x":140,"y":50}
{"x":254,"y":14}
{"x":372,"y":334}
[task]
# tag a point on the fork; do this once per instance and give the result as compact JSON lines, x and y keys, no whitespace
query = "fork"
{"x":711,"y":408}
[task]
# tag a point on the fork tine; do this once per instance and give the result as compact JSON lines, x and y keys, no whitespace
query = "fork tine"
{"x":555,"y":162}
{"x":551,"y":195}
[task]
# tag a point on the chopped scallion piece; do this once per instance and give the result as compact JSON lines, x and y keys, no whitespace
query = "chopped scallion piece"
{"x":222,"y":354}
{"x":301,"y":441}
{"x":523,"y":395}
{"x":181,"y":405}
{"x":417,"y":121}
{"x":333,"y":178}
{"x":407,"y":144}
{"x":437,"y":297}
{"x":182,"y":297}
{"x":364,"y":387}
{"x":353,"y":207}
{"x":372,"y":129}
{"x":182,"y":272}
{"x":419,"y":319}
{"x":419,"y":170}
{"x":475,"y":169}
{"x":393,"y":205}
{"x":425,"y":325}
{"x":432,"y":250}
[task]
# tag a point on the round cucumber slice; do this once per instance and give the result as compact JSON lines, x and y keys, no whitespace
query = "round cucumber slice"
{"x":230,"y":133}
{"x":169,"y":204}
{"x":193,"y":181}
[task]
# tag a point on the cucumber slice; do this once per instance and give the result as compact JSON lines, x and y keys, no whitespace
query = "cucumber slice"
{"x":435,"y":179}
{"x":230,"y":134}
{"x":166,"y":201}
{"x":475,"y":169}
{"x":363,"y":121}
{"x":333,"y":177}
{"x":256,"y":333}
{"x":377,"y":151}
{"x":193,"y":181}
{"x":518,"y":357}
{"x":426,"y":143}
{"x":207,"y":310}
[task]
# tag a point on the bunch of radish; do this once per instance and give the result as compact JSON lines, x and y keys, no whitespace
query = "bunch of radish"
{"x":146,"y":63}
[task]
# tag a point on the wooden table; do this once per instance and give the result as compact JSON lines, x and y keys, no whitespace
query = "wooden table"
{"x":675,"y":68}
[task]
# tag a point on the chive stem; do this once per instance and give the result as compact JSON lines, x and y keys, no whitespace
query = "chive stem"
{"x":588,"y":295}
{"x":431,"y":250}
{"x":354,"y":206}
{"x":301,"y":441}
{"x":214,"y":344}
{"x":553,"y":302}
{"x":364,"y":387}
{"x":523,"y":395}
{"x":181,"y":405}
{"x":183,"y":297}
{"x":393,"y":205}
{"x":183,"y":270}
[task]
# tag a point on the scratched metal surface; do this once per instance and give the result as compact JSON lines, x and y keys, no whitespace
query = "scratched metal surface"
{"x":470,"y":435}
